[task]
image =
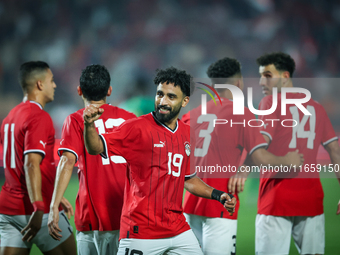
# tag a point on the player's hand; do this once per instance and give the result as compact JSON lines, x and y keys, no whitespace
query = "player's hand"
{"x":295,"y":158}
{"x":229,"y":203}
{"x":338,"y":211}
{"x":53,"y":219}
{"x":33,"y":226}
{"x":236,"y":182}
{"x":92,"y":113}
{"x":68,"y":209}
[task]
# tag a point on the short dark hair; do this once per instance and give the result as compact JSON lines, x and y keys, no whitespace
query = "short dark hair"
{"x":224,"y":68}
{"x":282,"y":61}
{"x":176,"y":76}
{"x":95,"y":82}
{"x":28,"y":69}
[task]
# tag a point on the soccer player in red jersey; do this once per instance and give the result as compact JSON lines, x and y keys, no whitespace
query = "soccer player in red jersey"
{"x":101,"y":181}
{"x":292,"y":206}
{"x":223,"y":144}
{"x":156,"y":147}
{"x":27,"y":136}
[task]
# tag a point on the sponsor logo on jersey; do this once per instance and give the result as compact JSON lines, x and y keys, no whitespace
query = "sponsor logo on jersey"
{"x":160,"y":144}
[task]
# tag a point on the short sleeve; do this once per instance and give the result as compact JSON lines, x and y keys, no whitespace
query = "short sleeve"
{"x":271,"y":121}
{"x":71,"y":137}
{"x":190,"y":171}
{"x":186,"y":118}
{"x":37,"y":133}
{"x":123,"y":140}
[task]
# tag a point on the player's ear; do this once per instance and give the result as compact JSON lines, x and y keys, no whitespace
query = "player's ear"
{"x":285,"y":76}
{"x":109,"y":91}
{"x":185,"y":101}
{"x":39,"y":84}
{"x":80,"y":93}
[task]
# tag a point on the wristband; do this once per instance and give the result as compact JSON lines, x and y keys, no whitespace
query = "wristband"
{"x":216,"y":194}
{"x":38,"y":206}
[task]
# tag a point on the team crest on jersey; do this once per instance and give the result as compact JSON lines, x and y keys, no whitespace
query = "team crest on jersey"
{"x":187,"y":148}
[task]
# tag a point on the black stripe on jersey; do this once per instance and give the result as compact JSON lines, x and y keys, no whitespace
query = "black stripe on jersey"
{"x":180,"y":173}
{"x":167,"y":198}
{"x":171,"y":176}
{"x":150,"y":178}
{"x":159,"y":170}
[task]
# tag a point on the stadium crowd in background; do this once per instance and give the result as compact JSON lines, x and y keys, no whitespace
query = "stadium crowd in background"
{"x":133,"y":38}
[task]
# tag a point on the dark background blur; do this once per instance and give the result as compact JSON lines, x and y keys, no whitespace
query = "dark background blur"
{"x":133,"y":38}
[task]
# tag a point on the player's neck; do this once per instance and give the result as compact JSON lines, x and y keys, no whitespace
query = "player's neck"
{"x":96,"y":103}
{"x":36,"y":97}
{"x":226,"y":94}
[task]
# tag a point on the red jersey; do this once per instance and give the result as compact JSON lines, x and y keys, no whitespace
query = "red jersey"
{"x":158,"y":160}
{"x":26,"y":129}
{"x":220,"y":145}
{"x":101,"y":181}
{"x":294,"y":196}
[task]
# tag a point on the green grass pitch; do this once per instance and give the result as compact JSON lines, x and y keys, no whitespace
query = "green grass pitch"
{"x":247,"y":213}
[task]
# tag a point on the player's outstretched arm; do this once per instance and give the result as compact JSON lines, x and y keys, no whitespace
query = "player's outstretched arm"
{"x":199,"y":188}
{"x":93,"y":143}
{"x":333,"y":150}
{"x":263,"y":157}
{"x":33,"y":183}
{"x":63,"y":176}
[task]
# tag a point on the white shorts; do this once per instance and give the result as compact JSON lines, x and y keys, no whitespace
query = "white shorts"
{"x":273,"y":234}
{"x":182,"y":244}
{"x":11,"y":225}
{"x":97,"y":242}
{"x":217,"y":236}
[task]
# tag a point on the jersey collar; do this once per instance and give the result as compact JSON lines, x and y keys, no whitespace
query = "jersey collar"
{"x":33,"y":102}
{"x":160,"y":123}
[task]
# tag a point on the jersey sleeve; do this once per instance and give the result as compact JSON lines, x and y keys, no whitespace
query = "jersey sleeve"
{"x":186,"y":118}
{"x":123,"y":140}
{"x":270,"y":121}
{"x":328,"y":134}
{"x":252,"y":138}
{"x":37,"y":132}
{"x":190,"y":171}
{"x":71,"y":138}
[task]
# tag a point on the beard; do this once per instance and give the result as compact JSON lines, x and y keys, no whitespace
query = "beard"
{"x":164,"y":118}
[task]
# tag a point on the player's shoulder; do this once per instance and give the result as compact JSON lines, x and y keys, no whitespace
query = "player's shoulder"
{"x":184,"y":125}
{"x":119,"y":112}
{"x":76,"y":116}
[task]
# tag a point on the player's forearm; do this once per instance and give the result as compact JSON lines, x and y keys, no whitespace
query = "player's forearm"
{"x":198,"y":188}
{"x":33,"y":181}
{"x":63,"y":176}
{"x":93,"y":143}
{"x":262,"y":157}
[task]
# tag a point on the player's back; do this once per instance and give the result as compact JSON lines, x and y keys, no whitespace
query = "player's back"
{"x":101,"y":181}
{"x":26,"y":129}
{"x":300,"y":193}
{"x":296,"y":130}
{"x":220,"y":137}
